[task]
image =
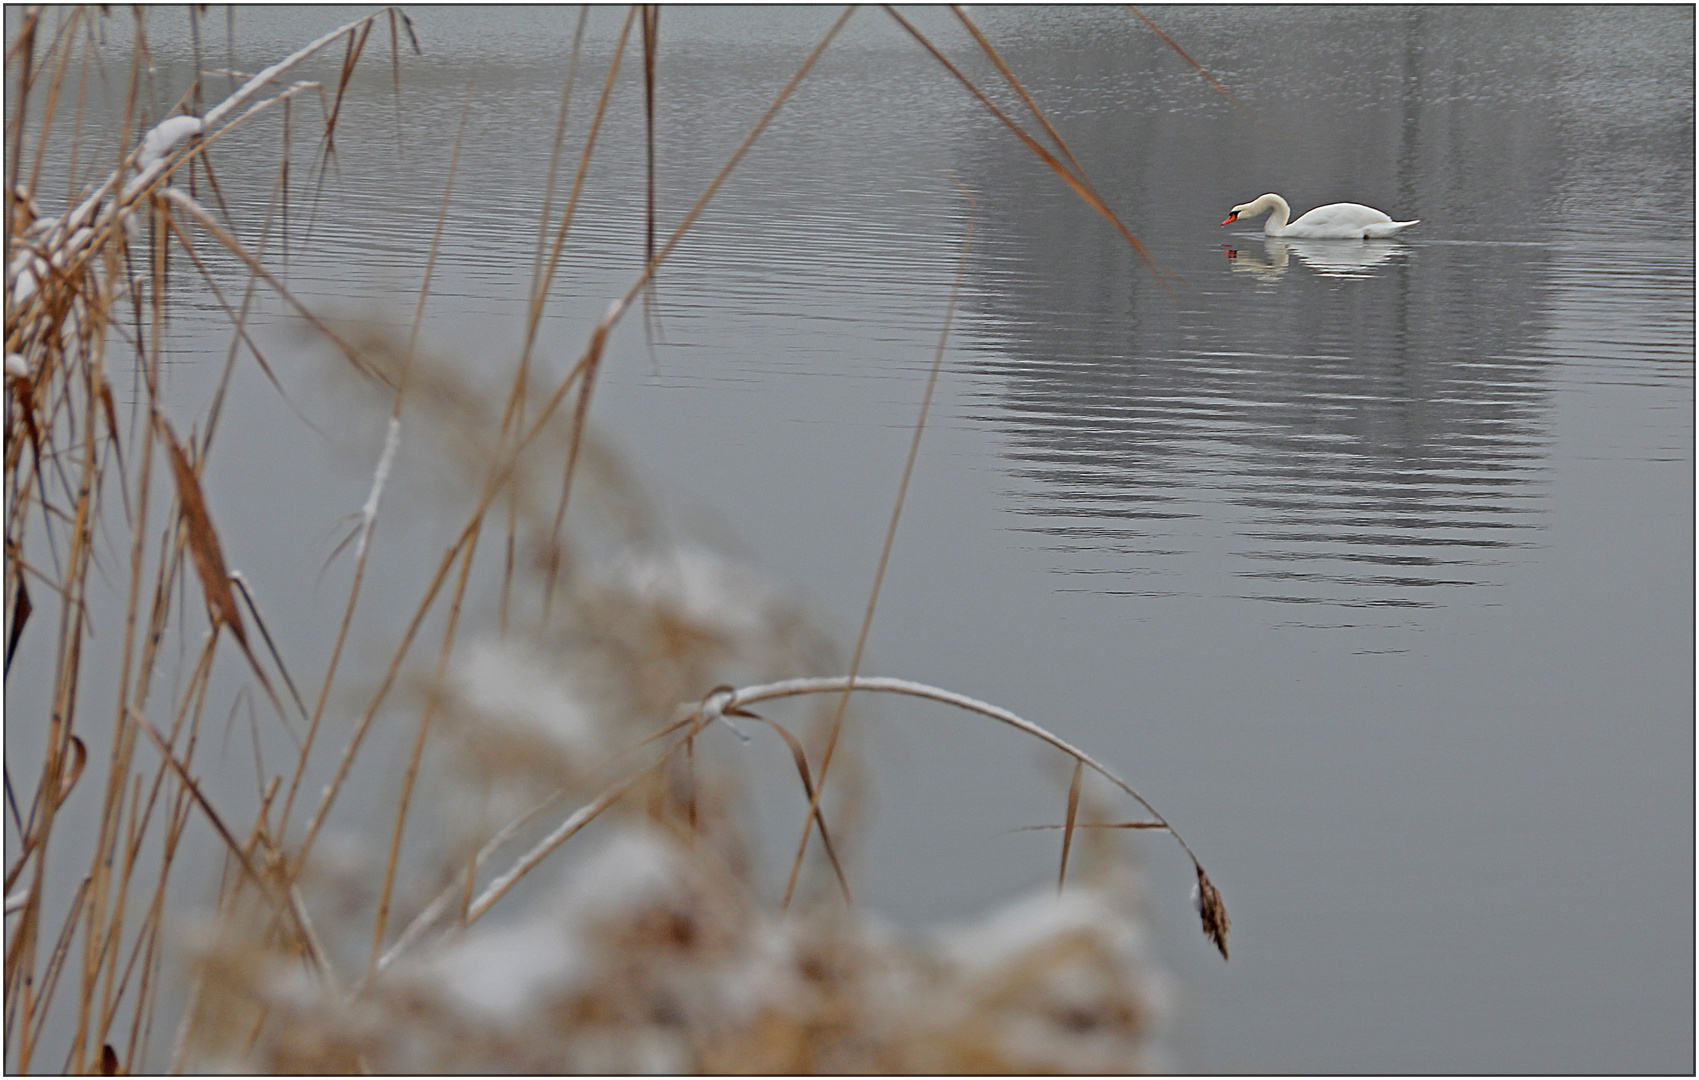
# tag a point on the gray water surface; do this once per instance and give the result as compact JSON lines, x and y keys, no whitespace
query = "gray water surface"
{"x":1369,"y":563}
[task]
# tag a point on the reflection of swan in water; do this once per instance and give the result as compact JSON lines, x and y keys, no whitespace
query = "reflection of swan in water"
{"x":1246,"y":261}
{"x":1335,"y":221}
{"x":1336,"y":260}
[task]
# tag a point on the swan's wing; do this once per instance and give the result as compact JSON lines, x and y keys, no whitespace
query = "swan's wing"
{"x":1342,"y":216}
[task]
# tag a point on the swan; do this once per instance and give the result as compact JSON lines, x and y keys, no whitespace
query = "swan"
{"x":1335,"y":221}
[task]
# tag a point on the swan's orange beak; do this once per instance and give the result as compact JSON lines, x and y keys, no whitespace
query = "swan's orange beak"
{"x":1231,"y":218}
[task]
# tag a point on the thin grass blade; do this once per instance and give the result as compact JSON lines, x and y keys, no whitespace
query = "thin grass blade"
{"x":21,"y":608}
{"x":202,"y":538}
{"x":1199,"y":68}
{"x":800,"y":756}
{"x":1068,"y":825}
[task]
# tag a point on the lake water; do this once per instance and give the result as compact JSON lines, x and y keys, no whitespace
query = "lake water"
{"x":1370,"y":564}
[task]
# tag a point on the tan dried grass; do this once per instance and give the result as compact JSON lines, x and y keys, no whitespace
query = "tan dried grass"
{"x":272,"y":986}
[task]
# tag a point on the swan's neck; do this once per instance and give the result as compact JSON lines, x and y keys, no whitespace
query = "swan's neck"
{"x":1279,"y":214}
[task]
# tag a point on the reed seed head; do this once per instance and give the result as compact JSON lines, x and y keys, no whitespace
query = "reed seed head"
{"x":1207,"y":899}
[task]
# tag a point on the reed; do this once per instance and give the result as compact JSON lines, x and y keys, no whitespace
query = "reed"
{"x":596,"y":709}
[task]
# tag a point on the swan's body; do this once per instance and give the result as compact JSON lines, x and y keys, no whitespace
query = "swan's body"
{"x":1335,"y":221}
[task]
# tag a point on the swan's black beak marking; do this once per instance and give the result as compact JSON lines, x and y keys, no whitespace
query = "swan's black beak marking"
{"x":1231,"y":218}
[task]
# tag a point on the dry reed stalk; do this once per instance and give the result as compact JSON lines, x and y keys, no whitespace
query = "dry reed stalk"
{"x":405,"y":799}
{"x":561,"y":834}
{"x":369,"y":512}
{"x":357,"y":737}
{"x":684,"y":732}
{"x":467,"y":542}
{"x":112,"y":811}
{"x":1096,"y":825}
{"x":288,"y":902}
{"x":503,"y":470}
{"x":50,"y":790}
{"x":1199,"y":68}
{"x":56,"y":958}
{"x":238,"y":322}
{"x":59,"y":300}
{"x":68,"y":29}
{"x":466,"y":538}
{"x":651,"y":45}
{"x":203,"y":540}
{"x":22,"y":46}
{"x":1078,"y":171}
{"x":189,"y":714}
{"x":1080,"y":185}
{"x":1068,"y":825}
{"x":209,"y":556}
{"x":395,"y":63}
{"x":592,"y":354}
{"x":884,"y":552}
{"x":435,"y":909}
{"x":522,"y":377}
{"x":809,"y":792}
{"x":544,"y":278}
{"x":368,"y":523}
{"x":247,"y":594}
{"x":1015,"y":85}
{"x":651,"y":41}
{"x":542,"y":291}
{"x":205,"y":220}
{"x":1211,"y":910}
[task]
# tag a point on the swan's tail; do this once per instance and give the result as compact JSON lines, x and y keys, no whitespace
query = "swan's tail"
{"x":1387,"y":228}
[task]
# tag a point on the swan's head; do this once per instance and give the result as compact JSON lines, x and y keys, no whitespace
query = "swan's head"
{"x":1257,"y":207}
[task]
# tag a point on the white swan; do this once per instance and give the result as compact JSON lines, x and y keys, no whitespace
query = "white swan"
{"x":1335,"y":221}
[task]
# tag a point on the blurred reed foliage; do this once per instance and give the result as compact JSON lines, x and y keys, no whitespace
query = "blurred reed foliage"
{"x":602,"y":693}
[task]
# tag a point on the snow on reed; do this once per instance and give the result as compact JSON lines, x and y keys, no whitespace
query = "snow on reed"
{"x":163,"y":138}
{"x":649,"y":955}
{"x":522,"y":700}
{"x":699,"y":588}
